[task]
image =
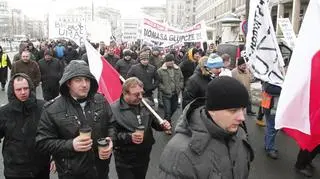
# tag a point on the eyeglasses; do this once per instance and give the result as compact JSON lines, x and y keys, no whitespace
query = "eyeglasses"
{"x":138,"y":94}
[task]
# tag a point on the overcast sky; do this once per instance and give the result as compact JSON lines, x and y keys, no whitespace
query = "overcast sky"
{"x":37,"y":8}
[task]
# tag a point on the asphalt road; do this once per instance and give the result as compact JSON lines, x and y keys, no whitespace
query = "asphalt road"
{"x":262,"y":166}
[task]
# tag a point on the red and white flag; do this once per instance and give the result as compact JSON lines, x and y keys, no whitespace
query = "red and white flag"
{"x":298,"y":109}
{"x":108,"y":78}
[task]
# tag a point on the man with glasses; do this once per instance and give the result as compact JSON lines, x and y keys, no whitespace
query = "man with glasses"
{"x":134,"y":125}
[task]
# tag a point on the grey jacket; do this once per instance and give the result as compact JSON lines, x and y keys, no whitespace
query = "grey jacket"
{"x":202,"y":150}
{"x":164,"y":79}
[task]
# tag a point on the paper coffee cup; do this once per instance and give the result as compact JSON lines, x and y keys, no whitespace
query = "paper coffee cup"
{"x":85,"y":131}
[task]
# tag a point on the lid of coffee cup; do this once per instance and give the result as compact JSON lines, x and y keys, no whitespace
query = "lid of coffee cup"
{"x":85,"y":129}
{"x":103,"y":142}
{"x":141,"y":127}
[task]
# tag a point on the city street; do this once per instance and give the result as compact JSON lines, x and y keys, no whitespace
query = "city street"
{"x":262,"y":166}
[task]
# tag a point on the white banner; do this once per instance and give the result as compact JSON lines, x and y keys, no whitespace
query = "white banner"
{"x":265,"y":59}
{"x":287,"y":31}
{"x":159,"y":32}
{"x":70,"y":27}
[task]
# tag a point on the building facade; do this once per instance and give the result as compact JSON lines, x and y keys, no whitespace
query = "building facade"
{"x":157,"y":13}
{"x":4,"y":20}
{"x":181,"y":13}
{"x":216,"y":12}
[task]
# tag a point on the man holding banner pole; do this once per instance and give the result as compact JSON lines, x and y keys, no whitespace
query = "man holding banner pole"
{"x":266,"y":63}
{"x":109,"y":79}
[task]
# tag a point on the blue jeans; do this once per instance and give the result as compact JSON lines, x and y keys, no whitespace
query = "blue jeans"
{"x":271,"y":132}
{"x":170,"y":105}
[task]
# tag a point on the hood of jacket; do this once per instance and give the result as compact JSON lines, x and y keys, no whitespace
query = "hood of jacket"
{"x":196,"y":123}
{"x":13,"y":100}
{"x":74,"y":69}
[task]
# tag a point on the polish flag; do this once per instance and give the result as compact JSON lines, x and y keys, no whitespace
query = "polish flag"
{"x":108,"y":78}
{"x":298,"y":111}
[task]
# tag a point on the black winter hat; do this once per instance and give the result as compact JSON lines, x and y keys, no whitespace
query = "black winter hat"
{"x":127,"y":52}
{"x":225,"y":92}
{"x":241,"y":61}
{"x":169,"y":57}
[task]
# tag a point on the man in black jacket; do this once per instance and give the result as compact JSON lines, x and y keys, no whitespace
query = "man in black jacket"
{"x":51,"y":72}
{"x":123,"y":65}
{"x":79,"y":106}
{"x":18,"y":126}
{"x":209,"y":142}
{"x":196,"y":86}
{"x":132,"y":149}
{"x":146,"y":73}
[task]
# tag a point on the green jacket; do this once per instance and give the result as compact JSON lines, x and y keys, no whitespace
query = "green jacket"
{"x":164,"y":85}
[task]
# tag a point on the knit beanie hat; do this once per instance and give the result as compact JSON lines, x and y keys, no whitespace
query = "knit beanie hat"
{"x":225,"y":92}
{"x":144,"y":56}
{"x":241,"y":61}
{"x":169,"y":57}
{"x":214,"y":61}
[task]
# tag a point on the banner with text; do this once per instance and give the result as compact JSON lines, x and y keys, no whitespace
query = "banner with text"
{"x":159,"y":32}
{"x":287,"y":31}
{"x":68,"y":26}
{"x":265,"y":59}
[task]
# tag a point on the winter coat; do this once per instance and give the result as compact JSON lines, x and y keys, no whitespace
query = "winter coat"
{"x":187,"y":67}
{"x":156,"y":61}
{"x":4,"y":69}
{"x":165,"y":80}
{"x":123,"y":66}
{"x":51,"y":72}
{"x":200,"y":149}
{"x":60,"y":123}
{"x":70,"y":54}
{"x":18,"y":126}
{"x":243,"y":77}
{"x":112,"y":59}
{"x":195,"y":87}
{"x":147,"y":74}
{"x":128,"y":154}
{"x":30,"y":68}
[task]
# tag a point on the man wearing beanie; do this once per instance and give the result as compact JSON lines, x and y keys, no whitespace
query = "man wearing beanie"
{"x":208,"y":142}
{"x":242,"y":74}
{"x":171,"y":83}
{"x":147,"y":73}
{"x":196,"y":86}
{"x":123,"y":65}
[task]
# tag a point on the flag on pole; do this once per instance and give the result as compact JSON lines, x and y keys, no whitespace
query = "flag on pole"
{"x":262,"y":50}
{"x":108,"y":78}
{"x":298,"y":109}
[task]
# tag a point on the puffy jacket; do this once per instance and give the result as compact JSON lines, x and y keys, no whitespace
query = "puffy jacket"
{"x":128,"y":154}
{"x":147,"y":74}
{"x":60,"y":123}
{"x":165,"y":80}
{"x":18,"y":126}
{"x":200,"y":149}
{"x":195,"y":87}
{"x":123,"y":66}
